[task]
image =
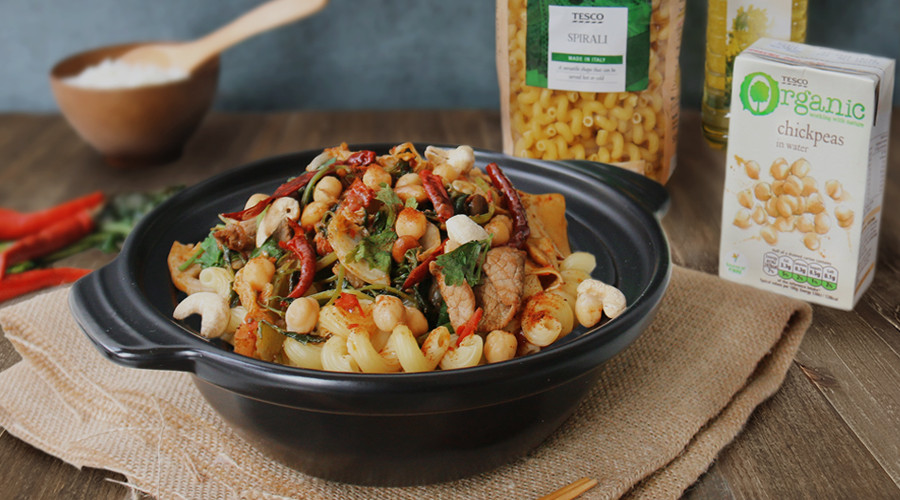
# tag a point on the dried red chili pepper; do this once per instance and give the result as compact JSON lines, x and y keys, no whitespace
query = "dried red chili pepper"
{"x":18,"y":284}
{"x":303,"y":250}
{"x":55,"y":236}
{"x":15,"y":225}
{"x":419,"y":272}
{"x":286,"y":189}
{"x":521,"y":231}
{"x":361,"y":158}
{"x":468,"y":328}
{"x":434,"y":188}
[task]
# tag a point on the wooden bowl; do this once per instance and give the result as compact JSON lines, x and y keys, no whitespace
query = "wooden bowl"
{"x":138,"y":126}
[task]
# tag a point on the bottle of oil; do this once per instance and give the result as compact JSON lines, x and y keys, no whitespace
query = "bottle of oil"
{"x":732,"y":25}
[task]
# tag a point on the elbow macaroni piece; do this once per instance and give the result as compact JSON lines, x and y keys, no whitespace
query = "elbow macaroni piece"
{"x":218,"y":280}
{"x":553,"y":124}
{"x":303,"y":355}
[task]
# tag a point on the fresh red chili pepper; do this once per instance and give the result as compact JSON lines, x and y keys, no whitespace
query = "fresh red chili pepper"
{"x":468,"y":328}
{"x":419,"y":272}
{"x":299,"y":245}
{"x":361,"y":158}
{"x":18,"y":284}
{"x":434,"y":188}
{"x":521,"y":231}
{"x":55,"y":236}
{"x":348,"y":302}
{"x":288,"y":188}
{"x":15,"y":225}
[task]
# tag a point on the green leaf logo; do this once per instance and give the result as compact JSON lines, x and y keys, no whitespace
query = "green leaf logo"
{"x":759,"y":93}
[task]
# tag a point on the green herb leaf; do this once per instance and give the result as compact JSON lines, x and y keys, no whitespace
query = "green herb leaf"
{"x":391,"y":205}
{"x":212,"y":255}
{"x":463,"y":265}
{"x":270,"y":248}
{"x":303,"y":338}
{"x":375,"y":250}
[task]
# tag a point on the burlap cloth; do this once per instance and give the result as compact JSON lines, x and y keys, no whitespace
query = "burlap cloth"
{"x":663,"y":409}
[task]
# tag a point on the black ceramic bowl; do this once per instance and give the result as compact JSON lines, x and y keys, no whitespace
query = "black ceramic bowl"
{"x":394,"y":429}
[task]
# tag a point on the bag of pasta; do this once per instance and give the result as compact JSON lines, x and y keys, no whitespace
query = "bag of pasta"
{"x":591,"y":79}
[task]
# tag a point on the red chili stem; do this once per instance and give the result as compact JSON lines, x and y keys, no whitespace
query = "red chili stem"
{"x":18,"y":284}
{"x":15,"y":225}
{"x":434,"y":188}
{"x":286,"y":189}
{"x":419,"y":272}
{"x":521,"y":231}
{"x":468,"y":328}
{"x":51,"y":238}
{"x":300,"y":246}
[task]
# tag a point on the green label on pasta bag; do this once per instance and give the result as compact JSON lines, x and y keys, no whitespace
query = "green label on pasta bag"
{"x":588,"y":45}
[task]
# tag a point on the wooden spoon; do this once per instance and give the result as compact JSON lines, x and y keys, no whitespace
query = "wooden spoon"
{"x":190,"y":55}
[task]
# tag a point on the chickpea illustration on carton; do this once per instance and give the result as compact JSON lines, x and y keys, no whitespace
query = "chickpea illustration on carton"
{"x":806,"y":164}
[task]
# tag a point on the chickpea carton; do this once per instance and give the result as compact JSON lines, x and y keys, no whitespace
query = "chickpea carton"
{"x":806,"y":161}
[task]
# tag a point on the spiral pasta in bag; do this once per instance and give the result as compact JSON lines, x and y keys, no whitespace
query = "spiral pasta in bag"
{"x":591,"y":79}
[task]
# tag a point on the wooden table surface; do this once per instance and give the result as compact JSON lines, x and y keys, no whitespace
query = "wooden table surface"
{"x":832,"y":431}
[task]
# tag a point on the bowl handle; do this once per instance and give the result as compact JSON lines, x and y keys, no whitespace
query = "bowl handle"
{"x":643,"y":190}
{"x":134,"y":340}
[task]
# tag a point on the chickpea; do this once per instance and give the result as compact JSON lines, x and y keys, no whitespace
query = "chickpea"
{"x":822,"y":223}
{"x":410,"y":179}
{"x":772,"y":207}
{"x":811,"y":240}
{"x":806,"y":223}
{"x":769,"y":234}
{"x":834,"y":189}
{"x":388,"y":312}
{"x":501,"y":227}
{"x":809,"y":185}
{"x":786,"y":205}
{"x":780,"y":169}
{"x":759,"y":215}
{"x":258,"y":272}
{"x":801,"y":205}
{"x":763,"y":191}
{"x":785,"y":224}
{"x":777,"y":188}
{"x":793,"y":185}
{"x":313,"y":213}
{"x":800,"y":168}
{"x":446,"y":172}
{"x":415,"y":320}
{"x":843,"y":215}
{"x":415,"y":191}
{"x":745,"y":198}
{"x":328,"y":189}
{"x":752,"y":169}
{"x":814,"y":203}
{"x":401,"y":245}
{"x":500,"y":346}
{"x":742,"y":218}
{"x":302,"y":315}
{"x":411,"y":222}
{"x":375,"y":176}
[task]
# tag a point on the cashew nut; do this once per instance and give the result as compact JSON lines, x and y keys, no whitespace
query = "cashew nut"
{"x":594,"y":299}
{"x":211,"y":307}
{"x":283,"y":208}
{"x":461,"y":159}
{"x":462,"y":229}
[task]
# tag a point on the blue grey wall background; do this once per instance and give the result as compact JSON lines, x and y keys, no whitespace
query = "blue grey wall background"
{"x":356,"y":54}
